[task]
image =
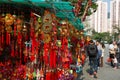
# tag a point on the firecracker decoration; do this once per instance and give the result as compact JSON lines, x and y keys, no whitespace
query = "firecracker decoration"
{"x":46,"y":54}
{"x":53,"y":54}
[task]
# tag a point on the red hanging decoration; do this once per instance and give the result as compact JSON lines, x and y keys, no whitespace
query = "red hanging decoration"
{"x":2,"y":38}
{"x":32,"y":58}
{"x":12,"y":52}
{"x":7,"y":38}
{"x":90,"y":2}
{"x":78,"y":7}
{"x":53,"y":55}
{"x":46,"y":48}
{"x":19,"y":39}
{"x":15,"y":28}
{"x":48,"y":76}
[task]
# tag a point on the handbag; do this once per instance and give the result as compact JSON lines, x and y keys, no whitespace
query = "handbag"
{"x":108,"y":59}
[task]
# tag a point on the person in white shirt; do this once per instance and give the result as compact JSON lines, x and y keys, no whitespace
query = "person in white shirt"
{"x":103,"y":52}
{"x":112,"y":52}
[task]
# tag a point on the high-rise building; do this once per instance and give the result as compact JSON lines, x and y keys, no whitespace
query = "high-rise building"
{"x":98,"y":20}
{"x":114,"y":14}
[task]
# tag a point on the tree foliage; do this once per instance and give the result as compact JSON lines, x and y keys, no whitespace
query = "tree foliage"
{"x":116,"y":32}
{"x":105,"y":36}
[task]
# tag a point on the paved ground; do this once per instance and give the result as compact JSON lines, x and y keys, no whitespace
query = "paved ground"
{"x":105,"y":73}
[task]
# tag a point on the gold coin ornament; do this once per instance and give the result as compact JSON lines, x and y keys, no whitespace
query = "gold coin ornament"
{"x":59,"y":43}
{"x":9,"y":19}
{"x":47,"y":27}
{"x":47,"y":18}
{"x":47,"y":38}
{"x":9,"y":29}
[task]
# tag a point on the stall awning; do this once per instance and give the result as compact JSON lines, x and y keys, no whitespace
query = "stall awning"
{"x":62,"y":10}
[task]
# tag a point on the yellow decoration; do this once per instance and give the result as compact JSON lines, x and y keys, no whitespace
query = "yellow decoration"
{"x":9,"y":19}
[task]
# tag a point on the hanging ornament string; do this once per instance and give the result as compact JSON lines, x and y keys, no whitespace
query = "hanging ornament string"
{"x":89,"y":3}
{"x":78,"y":6}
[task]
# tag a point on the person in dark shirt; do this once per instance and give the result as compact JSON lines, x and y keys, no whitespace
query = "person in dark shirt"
{"x":92,"y":52}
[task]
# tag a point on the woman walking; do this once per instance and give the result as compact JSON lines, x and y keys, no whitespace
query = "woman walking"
{"x":103,"y":52}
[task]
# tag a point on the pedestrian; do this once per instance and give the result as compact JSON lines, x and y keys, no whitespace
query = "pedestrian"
{"x":103,"y":52}
{"x":118,"y":52}
{"x":99,"y":47}
{"x":92,"y":54}
{"x":115,"y":62}
{"x":112,"y":52}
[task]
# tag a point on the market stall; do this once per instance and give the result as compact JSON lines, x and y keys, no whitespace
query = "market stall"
{"x":40,"y":39}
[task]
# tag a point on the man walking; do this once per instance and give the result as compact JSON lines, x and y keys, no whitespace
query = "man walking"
{"x":92,"y":52}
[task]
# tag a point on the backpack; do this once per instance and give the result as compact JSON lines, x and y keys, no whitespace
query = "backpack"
{"x":92,"y":49}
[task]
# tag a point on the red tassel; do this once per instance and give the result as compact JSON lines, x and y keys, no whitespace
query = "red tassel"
{"x":19,"y":38}
{"x":46,"y":46}
{"x":7,"y":38}
{"x":33,"y":46}
{"x":48,"y":76}
{"x":32,"y":58}
{"x":0,"y":41}
{"x":52,"y":59}
{"x":37,"y":43}
{"x":15,"y":30}
{"x":2,"y":38}
{"x":12,"y":53}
